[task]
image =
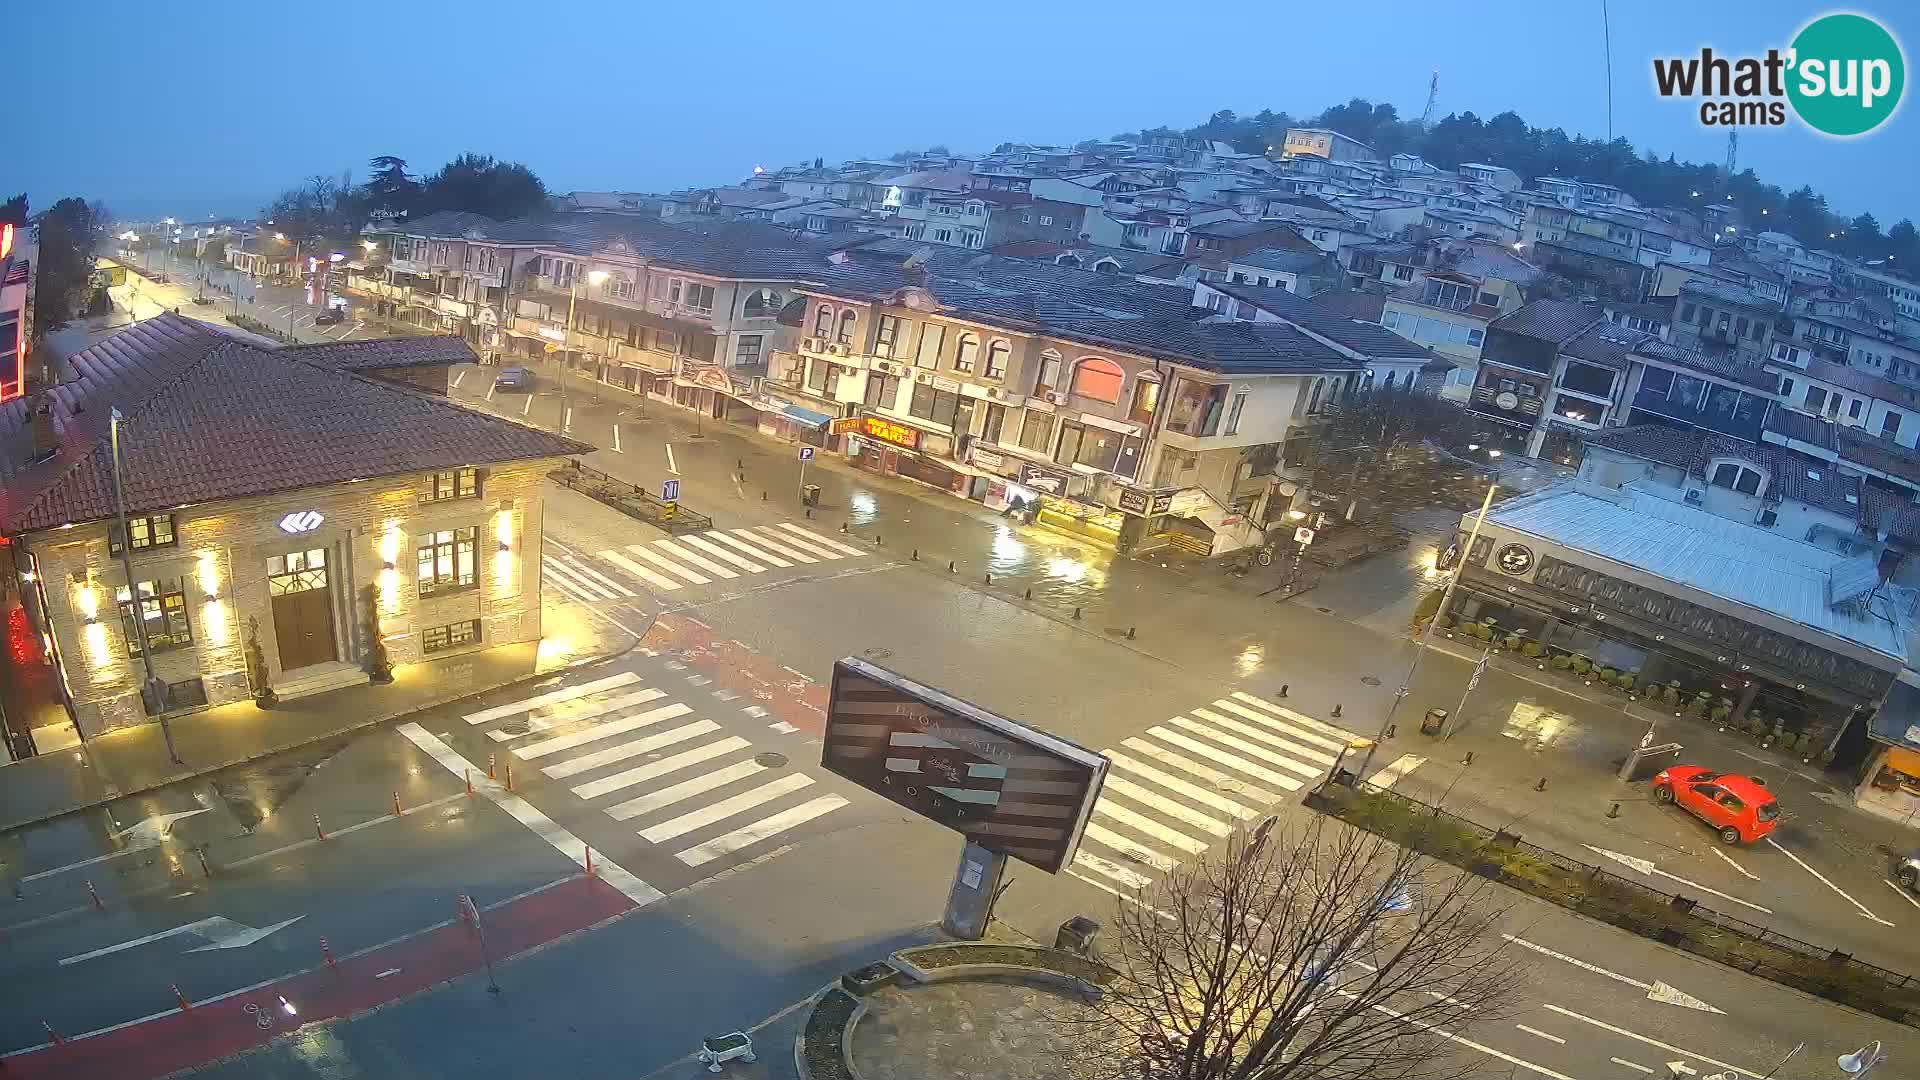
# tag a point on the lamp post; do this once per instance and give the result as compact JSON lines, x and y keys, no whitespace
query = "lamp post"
{"x":594,"y":277}
{"x":153,"y":691}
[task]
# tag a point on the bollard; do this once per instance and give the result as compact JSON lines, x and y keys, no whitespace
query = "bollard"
{"x":916,"y":554}
{"x":396,"y":804}
{"x":58,"y":1039}
{"x":1468,"y":760}
{"x":1392,"y":730}
{"x":509,"y":776}
{"x":468,"y":773}
{"x":589,"y":862}
{"x":185,"y":1005}
{"x":1283,"y":690}
{"x":490,"y":767}
{"x":1336,"y":710}
{"x":950,"y":566}
{"x":809,"y":513}
{"x":1542,"y":785}
{"x":843,"y":526}
{"x":465,"y":918}
{"x":876,"y":539}
{"x":204,"y":868}
{"x":1613,"y":811}
{"x":1076,"y":614}
{"x":326,"y":953}
{"x":740,"y":463}
{"x":97,"y":903}
{"x":1029,"y":594}
{"x":989,"y":579}
{"x":317,"y":830}
{"x":1130,"y":631}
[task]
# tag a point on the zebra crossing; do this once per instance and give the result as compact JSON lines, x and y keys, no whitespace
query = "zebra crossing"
{"x":680,"y":562}
{"x":1183,"y":785}
{"x":679,"y":779}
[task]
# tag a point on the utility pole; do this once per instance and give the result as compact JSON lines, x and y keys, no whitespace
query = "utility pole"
{"x":153,"y":692}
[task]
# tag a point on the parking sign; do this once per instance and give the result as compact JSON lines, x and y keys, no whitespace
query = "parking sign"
{"x":806,"y":453}
{"x":670,"y":491}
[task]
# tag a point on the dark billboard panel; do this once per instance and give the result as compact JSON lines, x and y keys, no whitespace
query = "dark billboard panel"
{"x":1006,"y":786}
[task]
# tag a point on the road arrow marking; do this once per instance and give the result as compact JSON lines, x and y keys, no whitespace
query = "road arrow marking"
{"x":1646,"y":866}
{"x":141,"y":835}
{"x":1656,"y":990}
{"x":224,"y":933}
{"x":1634,"y":1065}
{"x":1657,"y":1044}
{"x":221,"y":932}
{"x":1823,"y":880}
{"x":1681,"y":1068}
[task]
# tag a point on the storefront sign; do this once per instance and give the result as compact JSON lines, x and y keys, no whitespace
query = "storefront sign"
{"x":1142,"y":503}
{"x":844,"y":426}
{"x":886,"y":430}
{"x":301,"y":521}
{"x":1515,"y":559}
{"x":1041,"y":481}
{"x":712,"y":378}
{"x":949,"y":385}
{"x":987,"y":459}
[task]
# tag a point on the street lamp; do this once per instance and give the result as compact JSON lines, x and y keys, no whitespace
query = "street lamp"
{"x":594,"y":278}
{"x":153,"y":692}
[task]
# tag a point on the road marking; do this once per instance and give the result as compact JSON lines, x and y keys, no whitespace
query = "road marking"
{"x":1670,"y":1048}
{"x":757,"y":831}
{"x":552,"y":697}
{"x":641,"y":572}
{"x":669,"y":565}
{"x":1646,"y":866}
{"x":220,"y":932}
{"x":312,"y":841}
{"x":719,"y":553}
{"x":568,"y":714}
{"x":708,"y":565}
{"x":1266,"y":737}
{"x":145,"y":833}
{"x":725,"y":808}
{"x":1904,"y":895}
{"x":671,"y":467}
{"x":527,"y":405}
{"x":543,"y":826}
{"x":616,"y":440}
{"x":603,"y":730}
{"x":1119,"y":785}
{"x":457,"y":376}
{"x":1146,"y":826}
{"x":623,"y":751}
{"x":1392,"y":774}
{"x":1656,"y":990}
{"x":1282,"y":726}
{"x":1630,"y":1064}
{"x":566,"y":420}
{"x":1113,"y":870}
{"x":684,"y":790}
{"x":642,"y":773}
{"x":1728,"y":859}
{"x":736,"y":542}
{"x":1219,"y":779}
{"x":1541,"y":1034}
{"x":1823,"y":880}
{"x":490,"y":389}
{"x":1426,"y":1025}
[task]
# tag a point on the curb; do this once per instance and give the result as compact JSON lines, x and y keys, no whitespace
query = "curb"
{"x":314,"y":737}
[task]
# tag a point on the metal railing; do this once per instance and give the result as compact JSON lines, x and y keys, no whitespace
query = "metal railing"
{"x":630,"y":499}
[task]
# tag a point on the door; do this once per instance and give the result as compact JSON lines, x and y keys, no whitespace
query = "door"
{"x":302,"y":608}
{"x":1704,"y":801}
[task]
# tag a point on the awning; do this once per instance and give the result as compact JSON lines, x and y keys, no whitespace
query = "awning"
{"x":807,"y":416}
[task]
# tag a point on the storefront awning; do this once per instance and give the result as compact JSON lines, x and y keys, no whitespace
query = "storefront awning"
{"x":807,"y":416}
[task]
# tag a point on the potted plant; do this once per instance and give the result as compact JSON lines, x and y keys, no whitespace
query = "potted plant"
{"x":1697,"y":708}
{"x":379,"y":668}
{"x":1514,"y":641}
{"x":257,"y":675}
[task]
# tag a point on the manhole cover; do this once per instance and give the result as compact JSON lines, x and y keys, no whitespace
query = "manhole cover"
{"x":517,"y":727}
{"x":876,"y":654}
{"x":1324,"y":610}
{"x":1370,"y":680}
{"x":770,"y":760}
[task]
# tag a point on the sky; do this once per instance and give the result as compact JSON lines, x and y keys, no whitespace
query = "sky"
{"x":181,"y":110}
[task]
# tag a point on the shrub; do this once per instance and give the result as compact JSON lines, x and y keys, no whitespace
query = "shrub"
{"x":1446,"y":622}
{"x":1582,"y":665}
{"x":1720,"y":713}
{"x":1514,"y":641}
{"x":1532,"y":649}
{"x":1607,"y":674}
{"x":1627,"y":681}
{"x":1429,"y":606}
{"x":1561,"y":662}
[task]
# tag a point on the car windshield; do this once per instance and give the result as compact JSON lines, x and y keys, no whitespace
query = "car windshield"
{"x":1705,"y":777}
{"x":1769,"y":811}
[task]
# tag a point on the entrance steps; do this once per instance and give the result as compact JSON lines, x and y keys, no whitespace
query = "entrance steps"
{"x":320,"y":678}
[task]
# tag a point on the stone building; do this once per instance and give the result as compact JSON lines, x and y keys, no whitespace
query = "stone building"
{"x":286,"y":509}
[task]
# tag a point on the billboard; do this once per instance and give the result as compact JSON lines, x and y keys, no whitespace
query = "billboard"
{"x":1005,"y":786}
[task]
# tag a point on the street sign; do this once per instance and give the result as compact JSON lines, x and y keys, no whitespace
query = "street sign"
{"x":670,"y":491}
{"x":1303,"y":535}
{"x":550,"y":347}
{"x":667,"y":514}
{"x":1479,"y":669}
{"x":1008,"y":788}
{"x":806,"y":453}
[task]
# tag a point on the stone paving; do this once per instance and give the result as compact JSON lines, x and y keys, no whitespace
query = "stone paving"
{"x":989,"y":1029}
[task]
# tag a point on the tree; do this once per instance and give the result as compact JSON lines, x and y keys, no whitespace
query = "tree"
{"x":14,"y":210}
{"x":1319,"y":951}
{"x":67,"y":235}
{"x":478,"y":184}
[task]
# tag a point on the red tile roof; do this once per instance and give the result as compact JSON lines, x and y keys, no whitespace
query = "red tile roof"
{"x":387,"y":353}
{"x":210,"y":418}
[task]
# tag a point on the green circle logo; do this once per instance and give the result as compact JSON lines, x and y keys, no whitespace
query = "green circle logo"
{"x":1847,"y":74}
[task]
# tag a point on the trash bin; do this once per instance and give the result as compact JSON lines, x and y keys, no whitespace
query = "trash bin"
{"x":1076,"y":935}
{"x":810,"y":495}
{"x":1434,"y":722}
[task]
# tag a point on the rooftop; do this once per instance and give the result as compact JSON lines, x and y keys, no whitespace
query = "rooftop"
{"x":210,"y":418}
{"x":1282,"y":259}
{"x":1548,"y":320}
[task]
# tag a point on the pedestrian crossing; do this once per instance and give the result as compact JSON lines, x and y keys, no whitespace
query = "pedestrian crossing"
{"x":1183,"y":785}
{"x":678,"y":778}
{"x":691,"y":560}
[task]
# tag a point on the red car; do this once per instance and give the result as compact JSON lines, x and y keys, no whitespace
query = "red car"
{"x":1740,"y":808}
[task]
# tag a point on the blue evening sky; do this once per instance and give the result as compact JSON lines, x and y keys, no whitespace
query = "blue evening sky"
{"x":175,"y":108}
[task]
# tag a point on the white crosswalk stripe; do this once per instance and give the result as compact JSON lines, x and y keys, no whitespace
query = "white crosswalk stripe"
{"x":699,"y":559}
{"x":577,"y":586}
{"x":681,"y":778}
{"x":570,"y":591}
{"x":1179,"y":788}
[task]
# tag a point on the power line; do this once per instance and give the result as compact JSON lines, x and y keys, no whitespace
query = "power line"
{"x":1606,"y":32}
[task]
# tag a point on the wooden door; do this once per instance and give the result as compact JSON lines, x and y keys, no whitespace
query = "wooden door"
{"x":302,"y":608}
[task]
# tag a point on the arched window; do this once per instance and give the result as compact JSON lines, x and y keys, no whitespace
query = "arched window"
{"x":823,"y":321}
{"x":1098,"y":379}
{"x":967,"y":354}
{"x":1313,"y":403}
{"x":1067,"y":260}
{"x":1390,"y":378}
{"x":845,"y":336}
{"x":1106,"y":266}
{"x":761,"y":304}
{"x":997,"y":354}
{"x":1146,"y":398}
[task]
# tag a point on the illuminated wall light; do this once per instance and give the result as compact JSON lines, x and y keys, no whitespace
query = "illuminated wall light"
{"x":96,"y":638}
{"x":215,"y":623}
{"x":503,"y":558}
{"x":208,"y":573}
{"x":389,"y":572}
{"x":88,"y":597}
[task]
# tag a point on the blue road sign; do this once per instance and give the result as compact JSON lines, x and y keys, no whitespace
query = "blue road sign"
{"x":670,"y":491}
{"x":806,"y":453}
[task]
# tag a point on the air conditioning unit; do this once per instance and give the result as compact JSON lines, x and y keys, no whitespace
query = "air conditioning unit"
{"x":813,"y":344}
{"x":995,"y":392}
{"x":1693,"y":496}
{"x":1056,"y":397}
{"x":923,"y":377}
{"x":837,"y":349}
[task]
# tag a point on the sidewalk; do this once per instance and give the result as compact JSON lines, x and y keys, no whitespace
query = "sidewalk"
{"x":134,"y":759}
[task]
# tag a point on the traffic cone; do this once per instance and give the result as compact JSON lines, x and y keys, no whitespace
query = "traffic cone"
{"x":326,"y":953}
{"x":98,"y":904}
{"x":317,"y":830}
{"x":589,"y":862}
{"x":185,"y":1005}
{"x":396,"y":804}
{"x":490,"y":775}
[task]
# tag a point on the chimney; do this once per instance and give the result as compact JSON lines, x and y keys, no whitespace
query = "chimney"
{"x":46,"y":441}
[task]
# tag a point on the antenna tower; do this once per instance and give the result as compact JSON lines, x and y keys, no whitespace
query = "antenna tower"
{"x":1433,"y":101}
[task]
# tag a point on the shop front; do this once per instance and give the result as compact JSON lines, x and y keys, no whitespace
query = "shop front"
{"x":715,"y":393}
{"x":1889,"y":782}
{"x":893,"y":448}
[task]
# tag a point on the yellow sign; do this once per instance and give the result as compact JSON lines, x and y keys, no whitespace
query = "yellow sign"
{"x":551,"y":347}
{"x":888,"y":431}
{"x":668,"y":515}
{"x":844,"y":426}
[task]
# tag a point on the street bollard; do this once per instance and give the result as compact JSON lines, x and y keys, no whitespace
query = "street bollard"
{"x":763,"y":496}
{"x":1392,"y":730}
{"x":1336,"y":710}
{"x":468,"y":773}
{"x":843,"y":526}
{"x":1076,"y":614}
{"x":589,"y":862}
{"x":1283,"y":690}
{"x":809,"y":513}
{"x":465,"y":918}
{"x":204,"y":868}
{"x":185,"y":1005}
{"x":1130,"y":631}
{"x":98,"y":904}
{"x":317,"y":830}
{"x":916,"y":555}
{"x":58,"y":1039}
{"x":509,"y":776}
{"x":876,"y":539}
{"x":396,"y":804}
{"x":989,"y":579}
{"x":1613,"y":811}
{"x":950,"y":565}
{"x":326,"y":953}
{"x":490,"y":775}
{"x":1468,"y":760}
{"x":1029,"y":594}
{"x":1542,"y":785}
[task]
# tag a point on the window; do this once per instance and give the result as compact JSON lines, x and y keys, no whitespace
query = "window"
{"x":297,"y":571}
{"x":1449,"y":295}
{"x":163,"y":611}
{"x":746,"y":352}
{"x":450,"y":484}
{"x":817,"y":375}
{"x":446,"y":561}
{"x":1740,"y":327}
{"x":1487,"y":299}
{"x":965,"y":355}
{"x":1786,"y":388}
{"x":1890,"y":424}
{"x":1816,"y":399}
{"x":1036,"y":432}
{"x":1476,"y":336}
{"x":1759,"y":329}
{"x":1737,"y":477}
{"x":935,"y":405}
{"x":1071,"y":436}
{"x":883,"y":335}
{"x":943,"y":236}
{"x":1049,"y":376}
{"x":997,"y":354}
{"x":761,"y":304}
{"x":1046,"y":219}
{"x":1146,"y":398}
{"x":1706,"y":316}
{"x":1402,"y":272}
{"x":996,"y":421}
{"x":932,"y":336}
{"x":882,"y":390}
{"x":698,"y":298}
{"x":1100,"y":380}
{"x":1853,"y":409}
{"x":441,"y":638}
{"x":845,"y":334}
{"x":1026,"y":219}
{"x":147,"y":532}
{"x":666,"y":341}
{"x":1588,"y":379}
{"x":823,"y":322}
{"x":1233,"y":413}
